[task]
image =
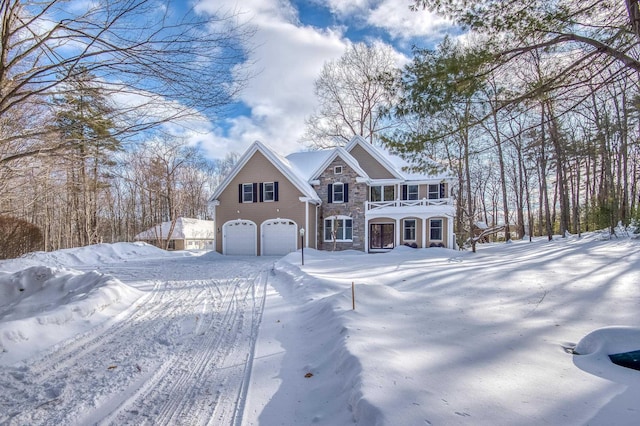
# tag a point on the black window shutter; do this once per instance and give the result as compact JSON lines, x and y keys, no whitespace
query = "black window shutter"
{"x":261,"y":191}
{"x":240,"y":193}
{"x":404,"y":192}
{"x":346,"y":192}
{"x":442,"y":194}
{"x":255,"y":192}
{"x":275,"y":191}
{"x":330,"y":193}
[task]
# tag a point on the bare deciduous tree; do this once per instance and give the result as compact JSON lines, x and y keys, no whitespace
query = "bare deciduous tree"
{"x":353,"y":94}
{"x":158,"y":64}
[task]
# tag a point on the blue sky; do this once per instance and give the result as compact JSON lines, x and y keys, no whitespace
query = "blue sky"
{"x":293,"y":39}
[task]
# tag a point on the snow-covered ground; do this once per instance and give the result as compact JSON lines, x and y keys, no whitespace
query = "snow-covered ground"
{"x":128,"y":334}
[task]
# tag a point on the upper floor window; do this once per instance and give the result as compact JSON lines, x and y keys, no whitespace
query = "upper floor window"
{"x":338,"y":192}
{"x":247,"y":193}
{"x":436,"y":191}
{"x":254,"y":192}
{"x":410,"y":192}
{"x":268,"y":191}
{"x":383,"y":193}
{"x":337,"y":170}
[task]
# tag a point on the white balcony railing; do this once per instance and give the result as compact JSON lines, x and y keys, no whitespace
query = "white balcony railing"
{"x":374,"y":205}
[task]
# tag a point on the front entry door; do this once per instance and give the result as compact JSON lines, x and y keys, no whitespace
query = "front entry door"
{"x":381,"y":236}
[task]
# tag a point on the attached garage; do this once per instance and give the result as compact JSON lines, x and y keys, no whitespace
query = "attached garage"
{"x":279,"y":237}
{"x":240,"y":238}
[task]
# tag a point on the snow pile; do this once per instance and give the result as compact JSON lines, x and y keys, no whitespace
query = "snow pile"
{"x":92,"y":255}
{"x":43,"y":303}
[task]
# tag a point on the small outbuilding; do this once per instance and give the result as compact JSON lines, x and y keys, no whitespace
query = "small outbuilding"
{"x":184,"y":234}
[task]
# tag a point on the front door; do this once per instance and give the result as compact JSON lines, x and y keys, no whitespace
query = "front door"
{"x":381,"y":236}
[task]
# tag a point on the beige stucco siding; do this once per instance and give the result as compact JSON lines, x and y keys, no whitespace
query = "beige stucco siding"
{"x":258,"y":170}
{"x":370,"y":165}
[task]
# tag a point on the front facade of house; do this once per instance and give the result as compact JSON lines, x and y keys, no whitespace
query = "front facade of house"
{"x":354,"y":198}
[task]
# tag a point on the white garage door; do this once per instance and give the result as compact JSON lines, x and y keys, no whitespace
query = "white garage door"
{"x":240,"y":238}
{"x":278,"y":237}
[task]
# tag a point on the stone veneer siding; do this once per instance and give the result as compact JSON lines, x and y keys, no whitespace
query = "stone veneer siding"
{"x":358,"y":194}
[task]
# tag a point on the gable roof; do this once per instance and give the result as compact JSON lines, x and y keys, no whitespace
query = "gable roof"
{"x":375,"y":153}
{"x":283,"y":165}
{"x":327,"y":156}
{"x":185,"y":228}
{"x":301,"y":168}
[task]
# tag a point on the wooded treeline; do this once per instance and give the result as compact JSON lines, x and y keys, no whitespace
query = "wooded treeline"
{"x":535,"y":110}
{"x":90,"y":96}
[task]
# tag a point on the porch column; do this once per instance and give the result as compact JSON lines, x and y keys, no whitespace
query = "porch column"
{"x":366,"y":234}
{"x":424,"y":232}
{"x":452,"y":244}
{"x":398,"y":234}
{"x":306,"y":223}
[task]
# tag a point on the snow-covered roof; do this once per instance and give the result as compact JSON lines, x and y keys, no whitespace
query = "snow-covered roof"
{"x":185,"y":229}
{"x":312,"y":166}
{"x":301,"y":168}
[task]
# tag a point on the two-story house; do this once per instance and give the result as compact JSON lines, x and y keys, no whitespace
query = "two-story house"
{"x":358,"y":197}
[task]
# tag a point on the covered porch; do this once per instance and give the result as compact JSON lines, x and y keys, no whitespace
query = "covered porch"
{"x":383,"y":232}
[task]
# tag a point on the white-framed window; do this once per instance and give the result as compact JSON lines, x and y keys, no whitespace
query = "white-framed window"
{"x":382,"y":193}
{"x":340,"y":227}
{"x":435,"y":229}
{"x":337,"y":170}
{"x":409,"y":229}
{"x":247,"y":192}
{"x":412,"y":192}
{"x":436,"y":191}
{"x":268,"y":191}
{"x":338,"y":192}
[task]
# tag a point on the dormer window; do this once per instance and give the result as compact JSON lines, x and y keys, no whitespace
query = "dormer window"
{"x":337,"y":170}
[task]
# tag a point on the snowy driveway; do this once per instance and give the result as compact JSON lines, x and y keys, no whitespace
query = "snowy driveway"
{"x":180,"y":355}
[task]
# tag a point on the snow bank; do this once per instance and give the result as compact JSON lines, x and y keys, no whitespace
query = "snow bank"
{"x":95,"y":254}
{"x":40,"y":306}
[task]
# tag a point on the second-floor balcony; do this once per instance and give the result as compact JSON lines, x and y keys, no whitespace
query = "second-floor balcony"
{"x":375,"y":205}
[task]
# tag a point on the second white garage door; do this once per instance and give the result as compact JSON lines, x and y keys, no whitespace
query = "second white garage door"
{"x":279,"y":237}
{"x":240,"y":238}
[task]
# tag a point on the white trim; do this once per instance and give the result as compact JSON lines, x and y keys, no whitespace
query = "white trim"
{"x":333,"y":219}
{"x":415,"y":229}
{"x":346,"y":157}
{"x":441,"y":240}
{"x":333,"y":192}
{"x":306,"y":223}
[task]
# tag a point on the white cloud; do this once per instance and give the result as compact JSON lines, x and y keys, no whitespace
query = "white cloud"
{"x":287,"y":58}
{"x":401,"y":23}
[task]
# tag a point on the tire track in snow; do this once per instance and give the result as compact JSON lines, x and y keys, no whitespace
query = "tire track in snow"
{"x":178,"y":356}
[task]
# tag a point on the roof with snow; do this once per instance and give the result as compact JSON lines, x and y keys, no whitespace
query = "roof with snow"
{"x":301,"y":168}
{"x":185,"y":229}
